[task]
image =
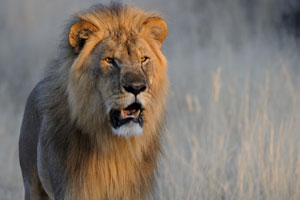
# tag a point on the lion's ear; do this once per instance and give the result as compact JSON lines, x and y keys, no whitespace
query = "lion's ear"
{"x":156,"y":28}
{"x":79,"y":33}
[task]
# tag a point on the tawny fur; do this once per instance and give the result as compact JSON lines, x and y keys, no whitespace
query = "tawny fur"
{"x":88,"y":161}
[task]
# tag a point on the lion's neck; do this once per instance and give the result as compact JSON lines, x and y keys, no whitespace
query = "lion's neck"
{"x":118,"y":168}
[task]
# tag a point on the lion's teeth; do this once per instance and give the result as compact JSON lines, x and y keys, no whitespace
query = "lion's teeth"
{"x":136,"y":114}
{"x":123,"y":114}
{"x":129,"y":113}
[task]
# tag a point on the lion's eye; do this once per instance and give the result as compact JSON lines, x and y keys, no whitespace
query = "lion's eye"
{"x":108,"y":60}
{"x":144,"y":59}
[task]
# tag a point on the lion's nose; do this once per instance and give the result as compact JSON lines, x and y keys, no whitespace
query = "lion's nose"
{"x":135,"y":88}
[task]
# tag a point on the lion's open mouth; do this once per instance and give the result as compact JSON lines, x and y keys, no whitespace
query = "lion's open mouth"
{"x":132,"y":113}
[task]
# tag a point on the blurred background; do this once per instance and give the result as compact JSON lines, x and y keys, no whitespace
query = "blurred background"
{"x":233,"y":125}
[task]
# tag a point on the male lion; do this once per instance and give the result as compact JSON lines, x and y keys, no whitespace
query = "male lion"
{"x":91,"y":128}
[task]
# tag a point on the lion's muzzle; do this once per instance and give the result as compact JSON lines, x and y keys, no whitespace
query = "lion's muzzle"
{"x":128,"y":119}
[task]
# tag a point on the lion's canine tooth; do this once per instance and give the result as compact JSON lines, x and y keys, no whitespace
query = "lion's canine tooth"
{"x":123,"y":114}
{"x":136,"y":114}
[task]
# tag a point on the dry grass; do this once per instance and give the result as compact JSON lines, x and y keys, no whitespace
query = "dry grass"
{"x":244,"y":146}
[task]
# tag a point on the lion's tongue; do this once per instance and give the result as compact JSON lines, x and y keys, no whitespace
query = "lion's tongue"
{"x":129,"y":113}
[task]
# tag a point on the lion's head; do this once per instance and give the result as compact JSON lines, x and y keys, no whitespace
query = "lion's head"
{"x":118,"y":73}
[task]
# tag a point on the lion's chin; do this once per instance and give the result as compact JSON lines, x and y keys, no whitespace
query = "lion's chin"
{"x":128,"y":121}
{"x":129,"y":129}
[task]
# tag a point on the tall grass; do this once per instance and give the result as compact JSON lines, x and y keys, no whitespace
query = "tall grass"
{"x":244,"y":145}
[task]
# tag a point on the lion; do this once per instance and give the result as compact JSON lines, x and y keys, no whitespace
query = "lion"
{"x":92,"y":127}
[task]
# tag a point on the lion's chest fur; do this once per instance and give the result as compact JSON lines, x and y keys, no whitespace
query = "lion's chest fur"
{"x":123,"y":171}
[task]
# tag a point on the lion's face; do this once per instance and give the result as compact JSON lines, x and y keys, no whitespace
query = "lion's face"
{"x":122,"y":70}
